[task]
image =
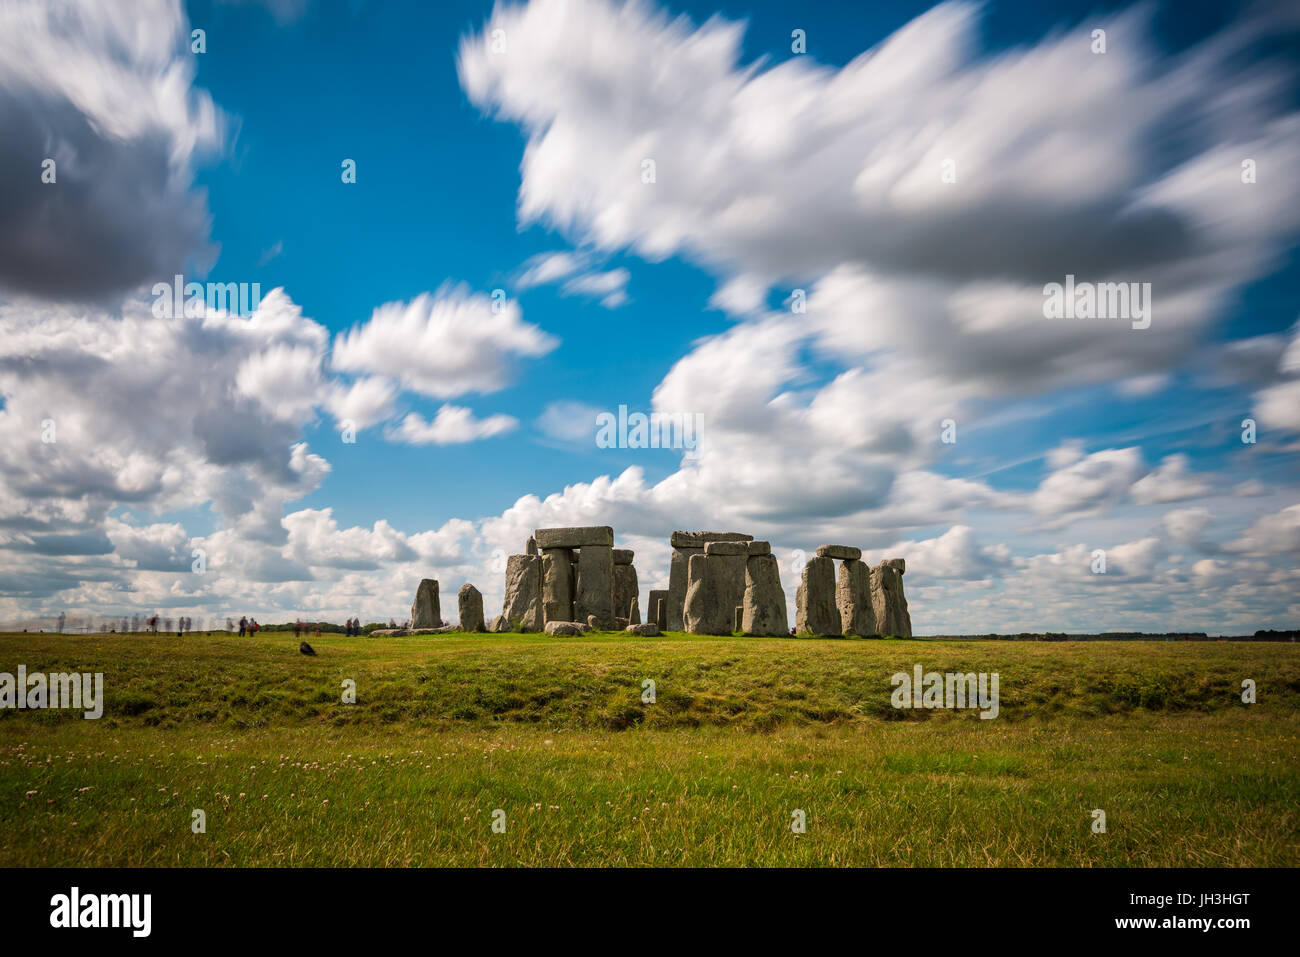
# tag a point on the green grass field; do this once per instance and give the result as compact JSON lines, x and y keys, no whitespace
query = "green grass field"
{"x":447,"y":729}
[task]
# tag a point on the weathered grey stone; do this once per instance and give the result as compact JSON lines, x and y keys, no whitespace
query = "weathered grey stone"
{"x":815,"y":611}
{"x":705,"y":611}
{"x":726,"y":548}
{"x":444,"y":629}
{"x":678,"y":573}
{"x":623,"y":556}
{"x":759,"y":548}
{"x":730,"y":576}
{"x":522,"y":609}
{"x":685,"y":545}
{"x":563,"y":628}
{"x":531,"y":547}
{"x":853,"y":599}
{"x":594,"y":596}
{"x":634,"y":616}
{"x":899,"y":564}
{"x":595,"y":624}
{"x":426,"y":611}
{"x":469,"y":601}
{"x":737,"y":617}
{"x":388,"y":633}
{"x":763,"y":610}
{"x":649,"y":629}
{"x":626,"y":589}
{"x":557,"y":585}
{"x":888,"y":601}
{"x":574,"y":537}
{"x":841,"y":552}
{"x":652,"y":610}
{"x":498,"y":624}
{"x":700,"y":539}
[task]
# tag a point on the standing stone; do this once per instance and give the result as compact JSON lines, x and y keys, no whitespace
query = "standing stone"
{"x":815,"y":611}
{"x":704,"y":611}
{"x":522,"y":610}
{"x":888,"y":601}
{"x":426,"y":612}
{"x":634,"y":616}
{"x":686,"y":545}
{"x":594,"y":597}
{"x":557,"y":585}
{"x":498,"y":624}
{"x":853,"y":598}
{"x":737,"y":618}
{"x":626,"y":587}
{"x":652,"y":609}
{"x":531,"y":547}
{"x":764,"y":605}
{"x":678,"y":575}
{"x":469,"y":601}
{"x":728,"y":559}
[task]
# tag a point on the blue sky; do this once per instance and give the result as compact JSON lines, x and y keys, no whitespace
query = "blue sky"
{"x":777,"y":171}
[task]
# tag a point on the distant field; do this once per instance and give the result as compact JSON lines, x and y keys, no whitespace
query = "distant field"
{"x":743,"y":732}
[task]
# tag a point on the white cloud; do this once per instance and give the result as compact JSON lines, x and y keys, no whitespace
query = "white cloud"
{"x":1170,"y":482}
{"x":569,"y":421}
{"x":1277,"y":534}
{"x":1087,"y":486}
{"x":453,"y":424}
{"x":443,"y":345}
{"x":365,"y":402}
{"x":549,"y":267}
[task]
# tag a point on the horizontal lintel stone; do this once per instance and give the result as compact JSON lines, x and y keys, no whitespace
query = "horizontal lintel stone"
{"x":726,"y":548}
{"x":700,"y":539}
{"x":843,"y":552}
{"x":575,"y":537}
